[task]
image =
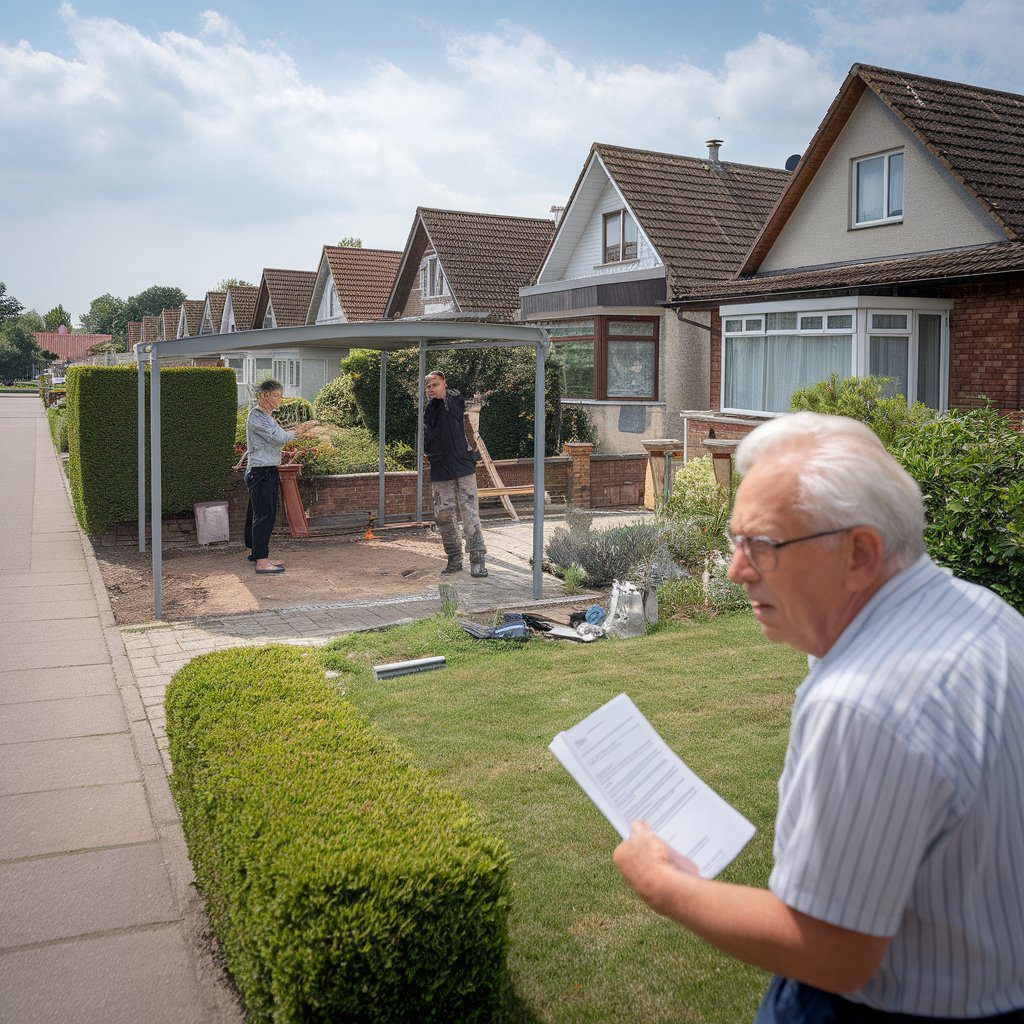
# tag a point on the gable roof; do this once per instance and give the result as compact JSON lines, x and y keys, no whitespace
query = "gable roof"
{"x":486,"y":257}
{"x":150,"y":329}
{"x":363,"y":279}
{"x":289,"y":291}
{"x":169,"y":323}
{"x":68,"y":345}
{"x":215,"y":300}
{"x":192,"y":310}
{"x":243,"y":305}
{"x":976,"y":134}
{"x":699,"y":216}
{"x":134,"y":334}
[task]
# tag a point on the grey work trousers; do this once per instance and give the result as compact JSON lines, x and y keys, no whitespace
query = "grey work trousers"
{"x":459,"y":496}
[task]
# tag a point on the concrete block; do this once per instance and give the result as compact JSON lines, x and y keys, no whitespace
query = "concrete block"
{"x":66,"y":763}
{"x":58,"y":719}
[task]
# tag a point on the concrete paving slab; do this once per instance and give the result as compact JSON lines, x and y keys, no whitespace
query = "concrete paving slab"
{"x":61,"y":630}
{"x":67,"y":820}
{"x":62,"y":719}
{"x":16,"y":597}
{"x":66,"y":763}
{"x":11,"y":581}
{"x":139,"y":977}
{"x":82,"y":893}
{"x":57,"y":608}
{"x":55,"y":683}
{"x":53,"y":654}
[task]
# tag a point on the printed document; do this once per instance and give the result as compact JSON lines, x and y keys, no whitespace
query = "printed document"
{"x":630,"y":773}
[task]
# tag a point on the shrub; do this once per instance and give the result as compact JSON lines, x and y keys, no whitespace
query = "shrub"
{"x":196,"y":424}
{"x":329,"y":451}
{"x":341,"y":883}
{"x":575,"y":579}
{"x":57,"y":417}
{"x":695,"y":490}
{"x":336,"y":404}
{"x":970,"y":467}
{"x":606,"y":555}
{"x":868,"y":399}
{"x":292,"y":411}
{"x":577,"y":425}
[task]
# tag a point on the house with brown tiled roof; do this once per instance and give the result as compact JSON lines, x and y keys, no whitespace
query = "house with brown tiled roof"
{"x":213,"y":310}
{"x":150,"y":329}
{"x":239,"y":308}
{"x":897,"y":249}
{"x":352,"y":285}
{"x":283,"y":298}
{"x":638,"y":227}
{"x":67,"y":346}
{"x":169,"y":323}
{"x":190,"y":318}
{"x":473,"y":264}
{"x":134,"y":334}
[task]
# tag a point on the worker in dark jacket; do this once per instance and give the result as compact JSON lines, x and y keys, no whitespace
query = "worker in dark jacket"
{"x":452,"y":475}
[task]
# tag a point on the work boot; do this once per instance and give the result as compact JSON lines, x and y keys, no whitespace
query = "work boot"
{"x":454,"y":565}
{"x":477,"y":569}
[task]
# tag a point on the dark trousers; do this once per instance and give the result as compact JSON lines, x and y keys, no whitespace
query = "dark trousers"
{"x":792,"y":1002}
{"x":261,"y":512}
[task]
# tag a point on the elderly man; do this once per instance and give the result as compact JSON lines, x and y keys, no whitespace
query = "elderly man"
{"x":899,"y":838}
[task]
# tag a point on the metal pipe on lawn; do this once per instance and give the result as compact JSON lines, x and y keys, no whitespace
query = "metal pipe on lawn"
{"x":538,"y":474}
{"x":380,"y":434}
{"x":156,"y":517}
{"x":141,"y":370}
{"x":421,"y":395}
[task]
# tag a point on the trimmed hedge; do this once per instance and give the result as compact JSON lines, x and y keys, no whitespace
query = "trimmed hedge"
{"x":57,"y":417}
{"x":197,"y":425}
{"x":341,"y":884}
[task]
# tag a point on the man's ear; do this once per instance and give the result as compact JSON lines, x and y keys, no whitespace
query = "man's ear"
{"x":867,"y":558}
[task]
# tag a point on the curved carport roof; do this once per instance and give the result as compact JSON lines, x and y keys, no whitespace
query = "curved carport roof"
{"x":383,"y":336}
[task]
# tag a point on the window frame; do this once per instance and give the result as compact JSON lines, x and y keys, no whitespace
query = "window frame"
{"x":622,"y":213}
{"x":601,"y":338}
{"x":431,"y":276}
{"x":885,"y":156}
{"x":861,"y":309}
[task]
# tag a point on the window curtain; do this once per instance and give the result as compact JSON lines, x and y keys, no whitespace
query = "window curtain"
{"x":578,"y":357}
{"x":744,"y":373}
{"x":929,"y":359}
{"x":796,"y":360}
{"x":869,"y":190}
{"x":889,"y":358}
{"x":895,"y":205}
{"x":630,"y":369}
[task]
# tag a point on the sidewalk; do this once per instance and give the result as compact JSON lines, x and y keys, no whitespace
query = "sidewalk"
{"x":100,"y":922}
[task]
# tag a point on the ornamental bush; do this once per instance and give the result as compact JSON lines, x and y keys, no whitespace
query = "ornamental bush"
{"x":341,"y":883}
{"x":336,"y":405}
{"x":970,"y":467}
{"x":868,"y":399}
{"x":58,"y":420}
{"x":197,"y":421}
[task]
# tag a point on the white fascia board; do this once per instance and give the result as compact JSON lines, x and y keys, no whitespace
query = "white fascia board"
{"x":323,"y":272}
{"x":228,"y":316}
{"x":839,"y":302}
{"x":182,"y":331}
{"x":626,"y":206}
{"x":567,"y":217}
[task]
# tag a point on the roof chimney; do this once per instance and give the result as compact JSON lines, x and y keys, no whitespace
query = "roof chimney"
{"x":62,"y":329}
{"x":713,"y":145}
{"x":556,"y":214}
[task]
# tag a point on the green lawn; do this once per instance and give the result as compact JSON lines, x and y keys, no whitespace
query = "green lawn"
{"x":583,"y":947}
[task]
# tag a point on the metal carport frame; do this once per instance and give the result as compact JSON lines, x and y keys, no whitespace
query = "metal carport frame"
{"x":383,"y":336}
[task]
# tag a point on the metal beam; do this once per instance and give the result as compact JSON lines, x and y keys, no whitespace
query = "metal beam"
{"x":141,"y":371}
{"x":420,"y":396}
{"x":156,"y":499}
{"x":381,"y":428}
{"x":538,"y":473}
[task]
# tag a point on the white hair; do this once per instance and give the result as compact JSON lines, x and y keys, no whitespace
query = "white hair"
{"x":845,"y":478}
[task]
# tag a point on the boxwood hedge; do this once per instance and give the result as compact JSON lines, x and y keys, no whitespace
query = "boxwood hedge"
{"x":342,"y":885}
{"x":197,"y":426}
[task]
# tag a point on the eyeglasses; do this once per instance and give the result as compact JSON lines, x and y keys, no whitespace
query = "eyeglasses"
{"x":763,"y":552}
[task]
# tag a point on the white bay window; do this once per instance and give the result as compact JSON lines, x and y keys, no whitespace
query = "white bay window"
{"x":770,"y":352}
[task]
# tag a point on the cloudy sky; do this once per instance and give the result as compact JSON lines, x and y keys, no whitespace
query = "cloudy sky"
{"x":162,"y":143}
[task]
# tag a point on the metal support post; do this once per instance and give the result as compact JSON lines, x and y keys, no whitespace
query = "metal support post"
{"x":141,"y":369}
{"x":155,"y":498}
{"x":421,"y":397}
{"x":538,"y":475}
{"x":381,"y":431}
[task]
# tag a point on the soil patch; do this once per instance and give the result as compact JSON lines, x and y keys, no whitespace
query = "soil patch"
{"x":219,"y":581}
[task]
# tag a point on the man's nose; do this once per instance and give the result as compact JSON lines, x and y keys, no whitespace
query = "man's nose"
{"x":741,"y":569}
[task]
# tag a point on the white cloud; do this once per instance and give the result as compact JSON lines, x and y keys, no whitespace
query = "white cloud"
{"x":240,"y":145}
{"x":976,"y":41}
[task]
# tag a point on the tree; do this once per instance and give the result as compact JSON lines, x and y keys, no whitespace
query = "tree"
{"x":18,"y":350}
{"x":10,"y":307}
{"x":152,"y":302}
{"x":30,"y":320}
{"x":55,"y":317}
{"x":105,"y":316}
{"x":350,"y":242}
{"x":232,"y":282}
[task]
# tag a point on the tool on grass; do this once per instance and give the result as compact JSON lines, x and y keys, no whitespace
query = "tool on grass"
{"x":406,"y":668}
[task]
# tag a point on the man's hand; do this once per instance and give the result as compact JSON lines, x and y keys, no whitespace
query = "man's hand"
{"x":650,"y":865}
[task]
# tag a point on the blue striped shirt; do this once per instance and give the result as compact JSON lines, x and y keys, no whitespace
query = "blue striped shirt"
{"x":901,"y":805}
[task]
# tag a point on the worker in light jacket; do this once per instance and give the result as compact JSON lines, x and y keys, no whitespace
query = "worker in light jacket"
{"x":452,"y":475}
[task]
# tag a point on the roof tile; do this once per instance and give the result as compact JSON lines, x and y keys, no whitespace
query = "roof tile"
{"x":363,"y":278}
{"x":290,"y":292}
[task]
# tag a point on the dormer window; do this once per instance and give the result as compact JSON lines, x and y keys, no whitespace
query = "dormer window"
{"x":620,"y":237}
{"x":431,"y":278}
{"x":878,"y":189}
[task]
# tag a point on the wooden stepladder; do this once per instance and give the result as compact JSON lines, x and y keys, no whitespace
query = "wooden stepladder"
{"x":499,"y":489}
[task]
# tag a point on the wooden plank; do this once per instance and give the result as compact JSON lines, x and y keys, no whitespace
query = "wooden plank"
{"x":473,"y":415}
{"x":494,"y":492}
